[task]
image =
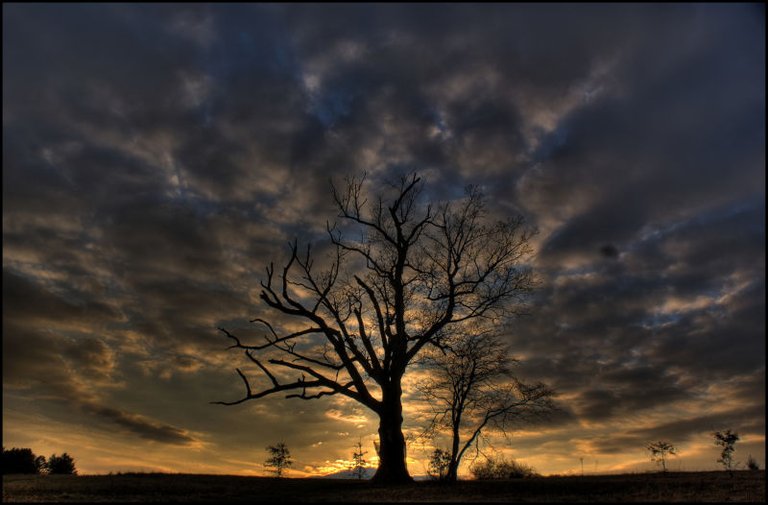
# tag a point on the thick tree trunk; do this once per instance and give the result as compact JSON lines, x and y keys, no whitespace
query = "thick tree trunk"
{"x":453,"y":466}
{"x":453,"y":472}
{"x":392,"y":466}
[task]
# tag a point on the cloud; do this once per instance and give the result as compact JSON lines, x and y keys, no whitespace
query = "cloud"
{"x":30,"y":300}
{"x":139,"y":425}
{"x":156,"y":158}
{"x":686,"y":428}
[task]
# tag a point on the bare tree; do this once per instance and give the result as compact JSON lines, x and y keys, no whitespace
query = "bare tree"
{"x":400,"y":274}
{"x":279,"y":458}
{"x":471,"y":387}
{"x":659,"y":452}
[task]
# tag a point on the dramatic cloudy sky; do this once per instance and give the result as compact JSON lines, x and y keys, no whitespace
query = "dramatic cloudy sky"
{"x":157,"y":157}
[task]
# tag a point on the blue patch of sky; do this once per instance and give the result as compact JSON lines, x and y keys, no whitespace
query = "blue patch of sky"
{"x":750,"y":211}
{"x":737,"y":209}
{"x":439,"y":121}
{"x":659,"y":320}
{"x":201,"y":206}
{"x":262,"y":50}
{"x":552,"y":142}
{"x":331,"y":105}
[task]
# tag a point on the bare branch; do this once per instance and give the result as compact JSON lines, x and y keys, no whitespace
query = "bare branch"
{"x":413,"y":274}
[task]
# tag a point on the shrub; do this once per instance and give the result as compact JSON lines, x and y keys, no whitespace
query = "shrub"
{"x":61,"y":465}
{"x":501,"y":469}
{"x":752,"y":463}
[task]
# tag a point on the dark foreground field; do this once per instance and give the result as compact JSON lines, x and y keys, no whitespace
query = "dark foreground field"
{"x":744,"y":486}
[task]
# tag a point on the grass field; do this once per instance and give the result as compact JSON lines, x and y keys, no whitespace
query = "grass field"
{"x":744,"y":486}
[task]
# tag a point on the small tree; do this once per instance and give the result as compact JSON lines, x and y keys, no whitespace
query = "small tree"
{"x":279,"y":458}
{"x":61,"y":465}
{"x":752,"y":463}
{"x":659,"y":452}
{"x":726,"y":439}
{"x":471,"y":387}
{"x":439,"y":463}
{"x":358,"y":460}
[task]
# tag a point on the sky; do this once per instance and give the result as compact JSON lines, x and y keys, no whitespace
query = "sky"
{"x":156,"y":157}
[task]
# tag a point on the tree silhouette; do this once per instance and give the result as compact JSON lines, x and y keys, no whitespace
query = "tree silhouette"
{"x":358,"y":460}
{"x":279,"y":458}
{"x":470,"y":386}
{"x":726,"y":439}
{"x":659,"y":452}
{"x":439,"y":463}
{"x":498,"y":468}
{"x":17,"y":460}
{"x":41,"y":464}
{"x":61,"y":465}
{"x":401,"y":273}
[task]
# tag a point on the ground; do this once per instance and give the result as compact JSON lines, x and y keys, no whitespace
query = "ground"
{"x":743,"y":486}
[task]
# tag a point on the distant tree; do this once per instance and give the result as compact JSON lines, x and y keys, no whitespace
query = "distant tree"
{"x":752,"y":463}
{"x":17,"y":460}
{"x":61,"y":465}
{"x":726,"y":439}
{"x":279,"y":458}
{"x":659,"y":452}
{"x":470,"y":386}
{"x":439,"y":463}
{"x":400,"y":273}
{"x":41,"y":464}
{"x":498,"y":468}
{"x":358,"y":460}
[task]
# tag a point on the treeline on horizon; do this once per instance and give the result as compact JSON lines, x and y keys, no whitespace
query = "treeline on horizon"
{"x":24,"y":461}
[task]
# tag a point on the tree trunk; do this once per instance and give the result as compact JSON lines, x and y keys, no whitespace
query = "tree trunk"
{"x":392,"y":466}
{"x":453,"y":467}
{"x":453,"y":472}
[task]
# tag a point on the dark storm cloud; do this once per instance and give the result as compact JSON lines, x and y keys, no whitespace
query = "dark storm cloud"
{"x":140,"y":426}
{"x":684,"y":429}
{"x":638,"y":151}
{"x":27,"y":300}
{"x":70,"y":367}
{"x":157,"y":157}
{"x":688,"y":429}
{"x":428,"y":76}
{"x":689,"y":296}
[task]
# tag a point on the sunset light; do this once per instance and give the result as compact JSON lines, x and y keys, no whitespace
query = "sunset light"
{"x":580,"y":188}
